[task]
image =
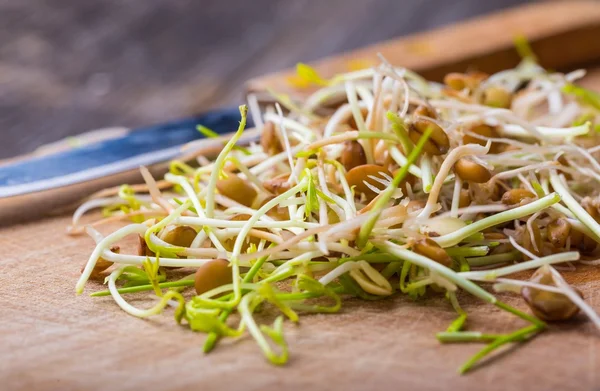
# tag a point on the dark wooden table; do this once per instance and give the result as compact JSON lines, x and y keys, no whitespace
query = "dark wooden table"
{"x":69,"y":66}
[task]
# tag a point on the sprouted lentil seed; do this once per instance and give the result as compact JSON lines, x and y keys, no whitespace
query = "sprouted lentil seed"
{"x":548,"y":306}
{"x":393,"y":192}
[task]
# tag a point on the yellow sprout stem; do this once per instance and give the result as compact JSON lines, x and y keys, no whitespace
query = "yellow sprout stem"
{"x":151,"y":269}
{"x":193,"y":197}
{"x":399,"y":129}
{"x":365,"y":230}
{"x":141,"y":288}
{"x":220,"y":161}
{"x":491,"y":275}
{"x":442,"y":270}
{"x":235,"y":256}
{"x":211,"y":339}
{"x":131,"y":310}
{"x":459,"y":235}
{"x":516,"y":336}
{"x":246,"y":313}
{"x":103,"y":245}
{"x":162,"y":224}
{"x":263,"y":210}
{"x":573,"y":205}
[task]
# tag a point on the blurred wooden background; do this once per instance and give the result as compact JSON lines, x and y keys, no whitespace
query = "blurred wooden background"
{"x":69,"y":66}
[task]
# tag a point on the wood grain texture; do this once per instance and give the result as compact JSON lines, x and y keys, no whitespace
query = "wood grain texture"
{"x":51,"y":339}
{"x":69,"y":66}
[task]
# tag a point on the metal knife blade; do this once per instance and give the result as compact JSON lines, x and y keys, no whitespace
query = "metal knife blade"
{"x":33,"y":184}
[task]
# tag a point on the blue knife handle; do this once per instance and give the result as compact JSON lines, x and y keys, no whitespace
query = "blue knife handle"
{"x":153,"y":144}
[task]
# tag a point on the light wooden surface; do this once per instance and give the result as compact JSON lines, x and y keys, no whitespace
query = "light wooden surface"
{"x":51,"y":339}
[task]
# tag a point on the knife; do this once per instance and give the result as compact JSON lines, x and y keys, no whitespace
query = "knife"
{"x":45,"y":181}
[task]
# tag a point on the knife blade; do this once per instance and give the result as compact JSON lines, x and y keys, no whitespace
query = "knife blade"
{"x":39,"y":182}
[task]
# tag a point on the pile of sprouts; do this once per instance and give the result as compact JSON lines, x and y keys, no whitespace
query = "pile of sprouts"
{"x":377,"y":183}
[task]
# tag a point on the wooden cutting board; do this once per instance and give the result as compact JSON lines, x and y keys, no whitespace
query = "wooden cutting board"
{"x":51,"y":339}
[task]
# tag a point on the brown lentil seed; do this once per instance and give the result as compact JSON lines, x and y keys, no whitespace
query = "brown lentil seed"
{"x":211,"y":275}
{"x":502,"y":147}
{"x":236,"y":188}
{"x":591,"y":207}
{"x":563,"y":161}
{"x":582,"y":242}
{"x":469,"y":171}
{"x":482,"y":192}
{"x":558,"y":232}
{"x":353,"y":155}
{"x":278,"y":185}
{"x":278,"y":212}
{"x":497,"y":97}
{"x":250,"y":239}
{"x":516,"y":196}
{"x":456,"y":81}
{"x":269,"y":140}
{"x":476,"y":77}
{"x":431,"y":249}
{"x":240,"y":217}
{"x":484,"y":131}
{"x":360,"y":174}
{"x":178,"y":235}
{"x":352,"y":122}
{"x":460,"y":81}
{"x":438,"y":142}
{"x":548,"y":306}
{"x":142,"y":248}
{"x":101,"y":264}
{"x":464,"y":199}
{"x":425,"y":111}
